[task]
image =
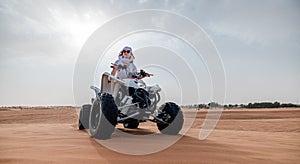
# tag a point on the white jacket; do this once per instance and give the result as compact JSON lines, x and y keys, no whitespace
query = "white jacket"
{"x":124,"y":72}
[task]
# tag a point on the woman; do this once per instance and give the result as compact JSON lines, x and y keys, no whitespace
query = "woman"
{"x":124,"y":66}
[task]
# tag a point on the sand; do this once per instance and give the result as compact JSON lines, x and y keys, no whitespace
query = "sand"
{"x":50,"y":135}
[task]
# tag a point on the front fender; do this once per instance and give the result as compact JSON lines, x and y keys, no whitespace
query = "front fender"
{"x":110,"y":84}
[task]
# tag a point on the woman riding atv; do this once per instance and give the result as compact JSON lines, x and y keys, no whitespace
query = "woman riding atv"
{"x":124,"y":66}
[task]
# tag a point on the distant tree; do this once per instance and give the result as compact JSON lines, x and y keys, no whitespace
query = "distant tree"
{"x":250,"y":105}
{"x":276,"y":104}
{"x":269,"y":105}
{"x":289,"y":105}
{"x":214,"y":105}
{"x":200,"y":106}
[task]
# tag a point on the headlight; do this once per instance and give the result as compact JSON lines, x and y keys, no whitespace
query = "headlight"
{"x":141,"y":84}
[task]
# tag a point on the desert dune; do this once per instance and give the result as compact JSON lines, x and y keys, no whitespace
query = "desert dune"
{"x":50,"y":135}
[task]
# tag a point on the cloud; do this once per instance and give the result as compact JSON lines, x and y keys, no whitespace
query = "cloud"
{"x":250,"y":21}
{"x":69,"y":23}
{"x":48,"y":35}
{"x":45,"y":28}
{"x":266,"y":22}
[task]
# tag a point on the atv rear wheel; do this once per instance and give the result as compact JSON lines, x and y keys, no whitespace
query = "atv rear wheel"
{"x":131,"y":123}
{"x":172,"y":114}
{"x":84,"y":116}
{"x":103,"y":117}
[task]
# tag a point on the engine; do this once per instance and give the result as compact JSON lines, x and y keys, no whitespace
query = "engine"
{"x":140,"y":96}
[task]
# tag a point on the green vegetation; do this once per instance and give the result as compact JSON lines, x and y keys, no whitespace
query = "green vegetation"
{"x":249,"y":105}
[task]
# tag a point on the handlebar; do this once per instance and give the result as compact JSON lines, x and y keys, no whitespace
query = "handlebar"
{"x":119,"y":66}
{"x":141,"y":74}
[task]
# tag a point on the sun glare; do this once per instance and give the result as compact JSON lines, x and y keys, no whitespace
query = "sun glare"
{"x":76,"y":27}
{"x":79,"y":31}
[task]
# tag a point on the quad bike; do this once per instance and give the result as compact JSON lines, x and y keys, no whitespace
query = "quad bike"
{"x":128,"y":101}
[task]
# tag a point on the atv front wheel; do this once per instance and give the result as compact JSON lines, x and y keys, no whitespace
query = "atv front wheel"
{"x":103,"y":117}
{"x":84,"y":116}
{"x":172,"y":115}
{"x":131,"y":123}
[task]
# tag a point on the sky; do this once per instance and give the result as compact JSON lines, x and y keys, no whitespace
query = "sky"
{"x":258,"y":42}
